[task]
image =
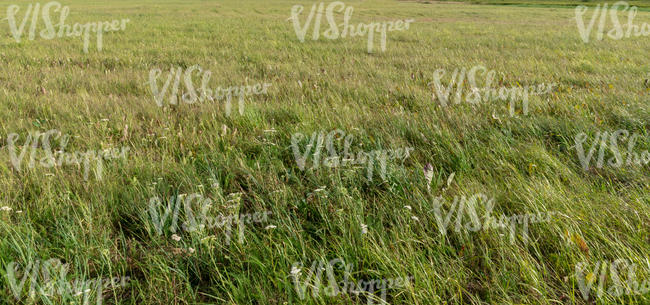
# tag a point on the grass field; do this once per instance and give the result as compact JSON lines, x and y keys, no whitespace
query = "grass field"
{"x":550,"y":3}
{"x":383,"y":227}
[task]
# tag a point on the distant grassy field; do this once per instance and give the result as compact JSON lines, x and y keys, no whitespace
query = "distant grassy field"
{"x":245,"y":162}
{"x":568,"y":3}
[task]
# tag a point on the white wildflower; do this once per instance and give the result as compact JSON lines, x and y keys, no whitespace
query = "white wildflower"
{"x":295,"y":270}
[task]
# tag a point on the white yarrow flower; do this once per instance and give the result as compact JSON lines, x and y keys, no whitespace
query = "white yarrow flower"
{"x":295,"y":270}
{"x":364,"y":229}
{"x":408,"y":207}
{"x":270,"y":227}
{"x":5,"y":208}
{"x":176,"y":237}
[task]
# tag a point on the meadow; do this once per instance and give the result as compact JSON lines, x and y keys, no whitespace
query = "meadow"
{"x":244,"y":160}
{"x":553,"y":3}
